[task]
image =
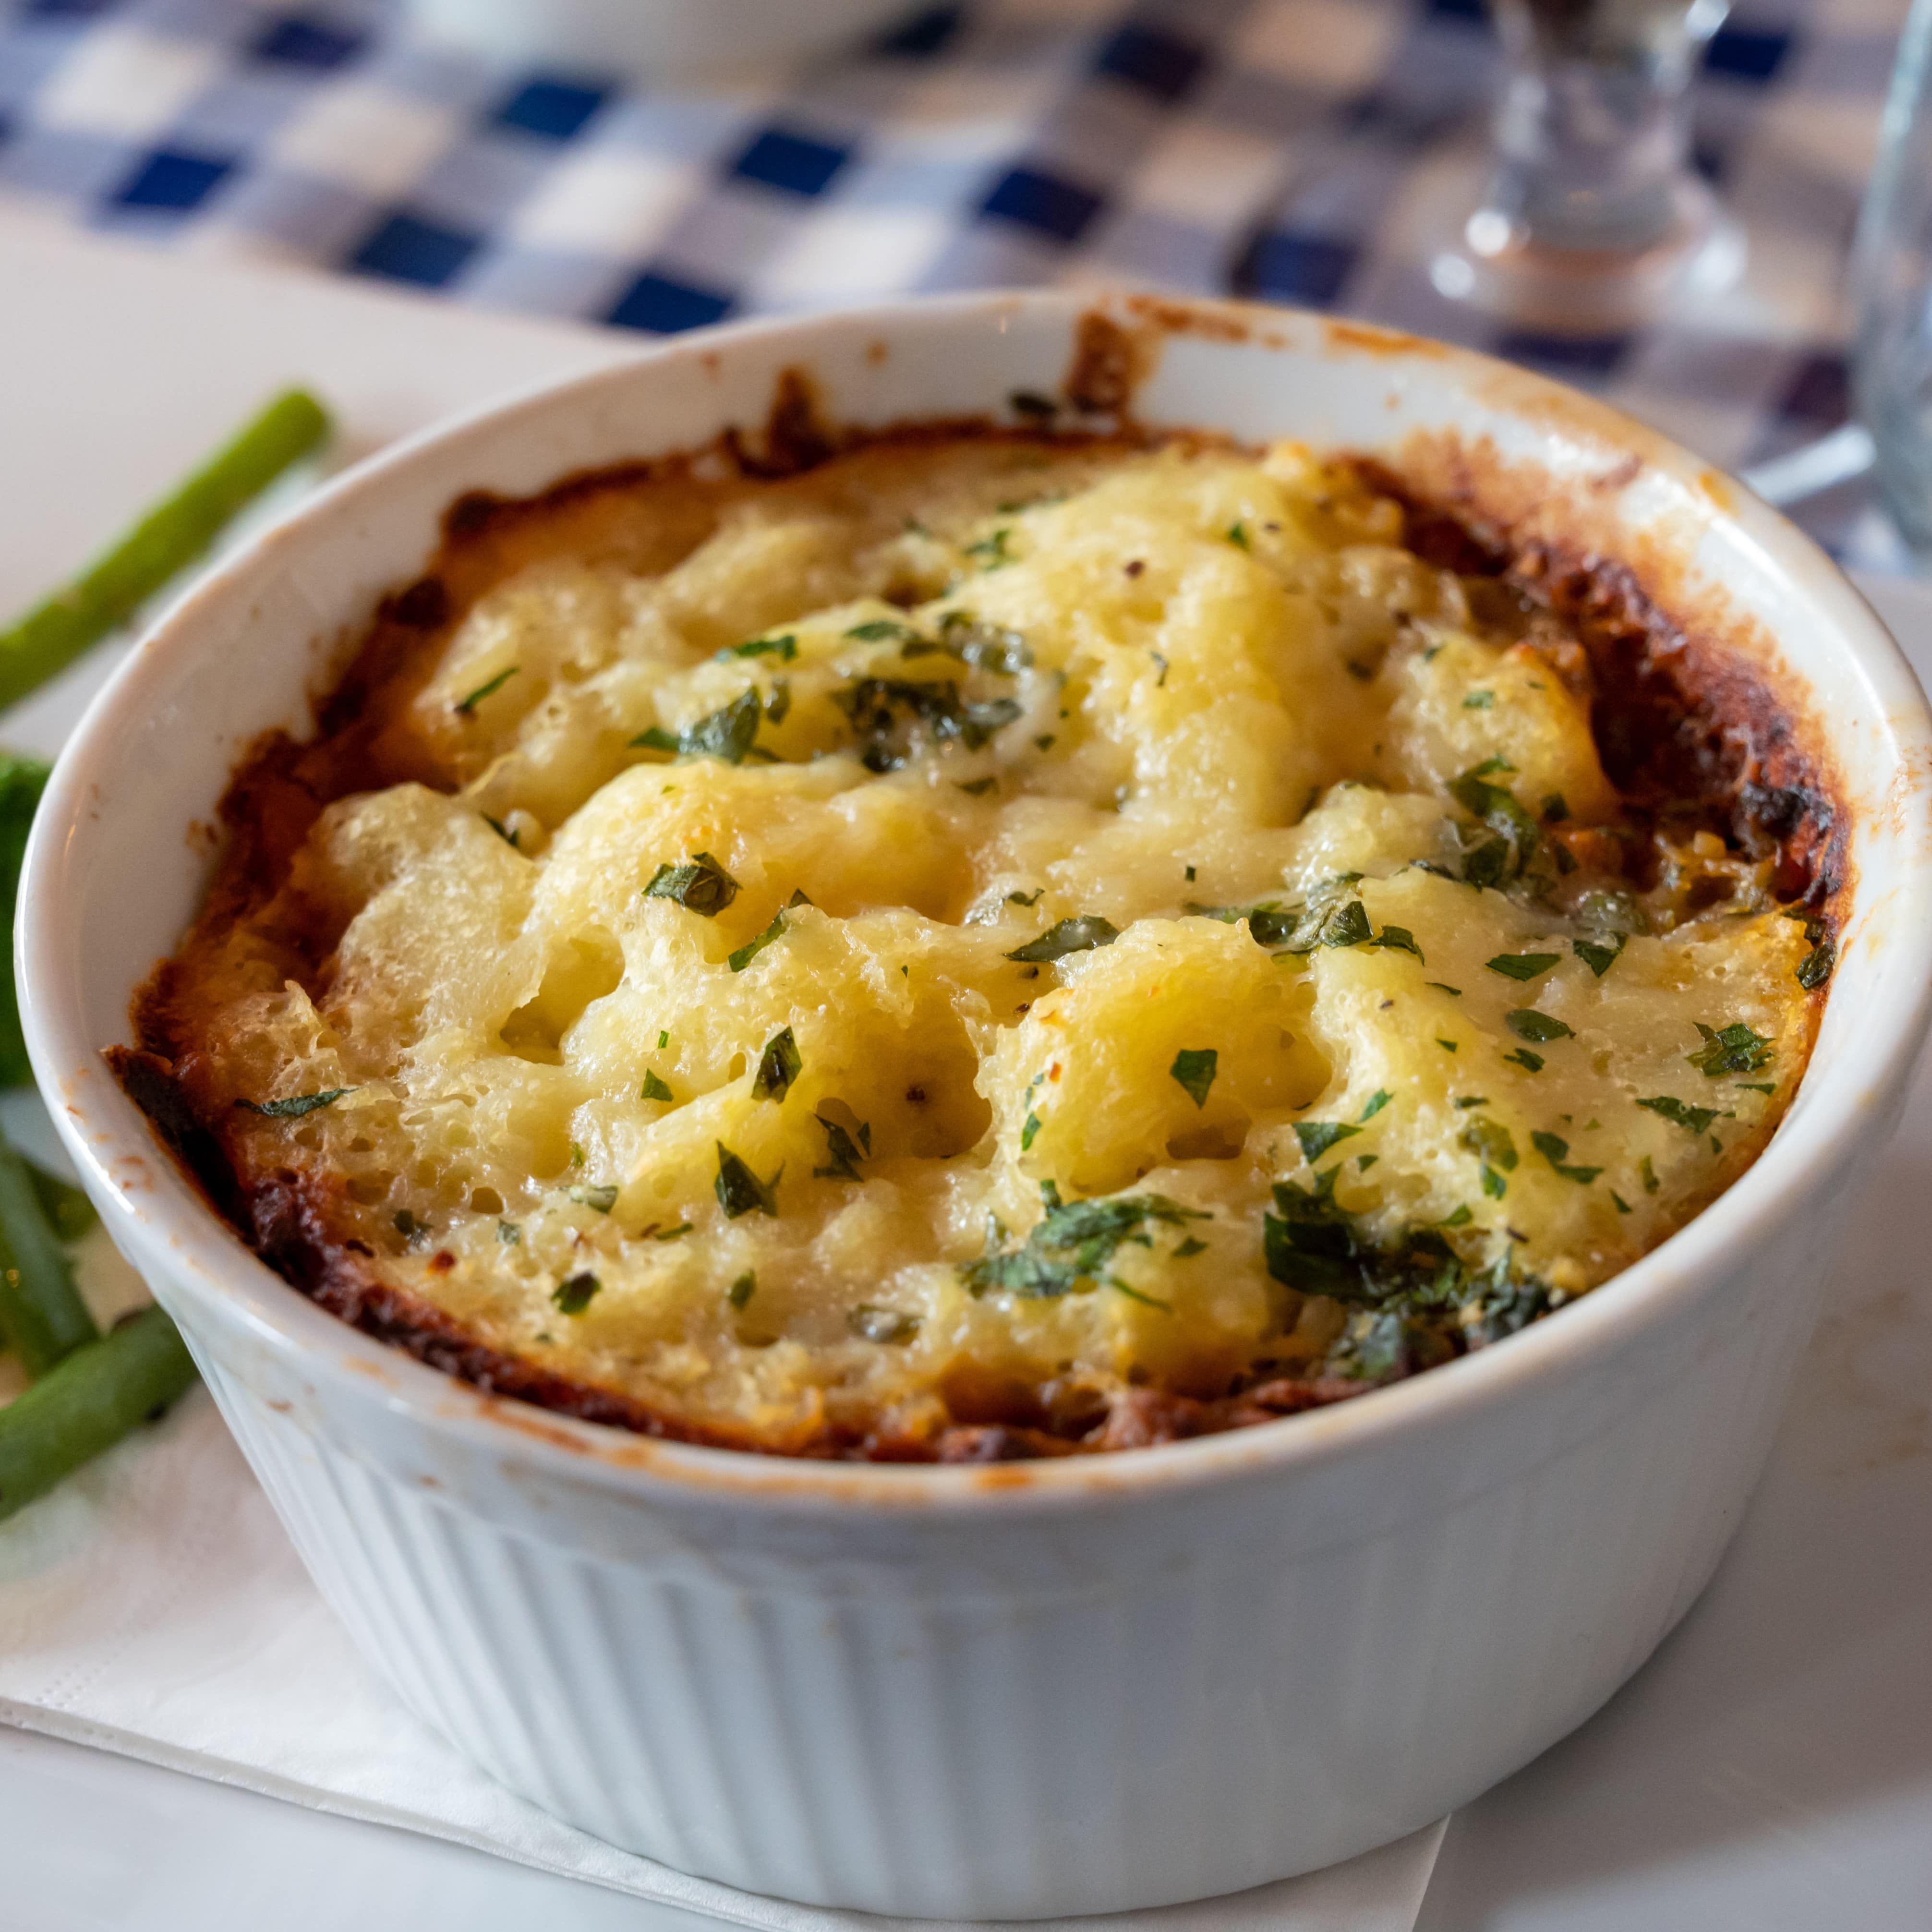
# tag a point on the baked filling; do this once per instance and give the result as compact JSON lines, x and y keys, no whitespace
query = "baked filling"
{"x":995,"y":945}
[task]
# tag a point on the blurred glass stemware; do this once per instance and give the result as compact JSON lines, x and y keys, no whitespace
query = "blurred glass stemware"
{"x":1591,"y":221}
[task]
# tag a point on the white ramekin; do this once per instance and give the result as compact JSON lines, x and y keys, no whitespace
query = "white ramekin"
{"x":1039,"y":1688}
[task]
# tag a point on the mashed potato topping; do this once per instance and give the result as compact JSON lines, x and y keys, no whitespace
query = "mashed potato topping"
{"x":983,"y":946}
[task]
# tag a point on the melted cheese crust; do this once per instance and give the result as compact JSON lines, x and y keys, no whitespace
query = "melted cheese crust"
{"x":680,"y":1036}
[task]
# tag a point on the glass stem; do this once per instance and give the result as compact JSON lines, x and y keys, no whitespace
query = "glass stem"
{"x":1590,"y":133}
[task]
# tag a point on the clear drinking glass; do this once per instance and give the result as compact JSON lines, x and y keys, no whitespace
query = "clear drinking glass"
{"x":1591,"y":220}
{"x":1891,"y":361}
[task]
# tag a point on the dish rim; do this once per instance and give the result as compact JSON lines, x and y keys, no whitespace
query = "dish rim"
{"x":232,"y":1285}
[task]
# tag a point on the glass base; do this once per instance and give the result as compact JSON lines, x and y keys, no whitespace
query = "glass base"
{"x":1493,"y":265}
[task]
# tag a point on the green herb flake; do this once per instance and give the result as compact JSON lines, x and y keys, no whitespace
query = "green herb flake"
{"x":1317,"y":1137}
{"x":870,"y":1323}
{"x":1524,"y":1057}
{"x":992,"y":550}
{"x":1071,"y":1243}
{"x":1522,"y":965}
{"x":1377,"y":1101}
{"x":1454,"y":992}
{"x":576,"y":1155}
{"x":742,"y":1290}
{"x":1136,"y":1295}
{"x":573,"y":1296}
{"x":1599,"y":958}
{"x":654,"y":1089}
{"x":1194,"y":1068}
{"x":1363,"y":1161}
{"x":509,"y":1234}
{"x":727,"y":733}
{"x":407,"y":1225}
{"x":778,"y":1066}
{"x":1647,"y":1174}
{"x":1491,"y":1143}
{"x":1399,"y":939}
{"x":1189,"y":1248}
{"x":976,"y":787}
{"x":752,"y":948}
{"x":603,"y":1197}
{"x":1622,"y":1206}
{"x":1555,"y":1150}
{"x":1068,"y":936}
{"x":784,"y":648}
{"x":740,"y":1190}
{"x":1030,"y":1132}
{"x":699,"y":885}
{"x":1692,"y":1120}
{"x":1815,"y":968}
{"x":296,"y":1104}
{"x":1237,"y":535}
{"x":1735,"y":1048}
{"x":502,"y":831}
{"x":842,"y":1152}
{"x":1032,"y":898}
{"x":1526,"y":1023}
{"x":1760,"y":1086}
{"x":1461,"y":1218}
{"x":672,"y":1233}
{"x":664,"y":1039}
{"x":1479,"y":700}
{"x":882,"y":630}
{"x":1446,"y":1046}
{"x":466,"y":706}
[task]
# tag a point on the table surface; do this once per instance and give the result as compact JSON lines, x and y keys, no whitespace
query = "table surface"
{"x":1771,"y":1769}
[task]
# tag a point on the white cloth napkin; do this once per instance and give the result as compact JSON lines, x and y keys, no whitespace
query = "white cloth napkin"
{"x":153,"y":1606}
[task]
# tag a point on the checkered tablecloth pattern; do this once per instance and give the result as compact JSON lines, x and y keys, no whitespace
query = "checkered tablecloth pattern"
{"x":1309,"y":150}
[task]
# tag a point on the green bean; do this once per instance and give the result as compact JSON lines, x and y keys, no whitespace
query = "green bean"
{"x":99,"y":1393}
{"x":69,"y":1212}
{"x":162,"y":544}
{"x":40,"y":1311}
{"x":22,"y":781}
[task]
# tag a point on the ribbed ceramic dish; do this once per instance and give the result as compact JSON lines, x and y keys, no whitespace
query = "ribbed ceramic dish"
{"x":1033,"y":1689}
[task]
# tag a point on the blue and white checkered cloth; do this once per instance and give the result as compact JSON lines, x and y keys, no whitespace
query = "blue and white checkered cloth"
{"x":1310,"y":150}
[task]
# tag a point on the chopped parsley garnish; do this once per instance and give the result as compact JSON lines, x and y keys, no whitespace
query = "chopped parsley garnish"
{"x":992,"y":551}
{"x":881,"y":630}
{"x":1555,"y":1150}
{"x":407,"y":1225}
{"x":1377,"y":1101}
{"x":1189,"y":1248}
{"x":1647,"y":1174}
{"x":1032,"y":898}
{"x":1623,"y":1207}
{"x":1494,"y":1148}
{"x":1815,"y":968}
{"x":1398,"y":939}
{"x":884,"y":712}
{"x":752,"y":948}
{"x":508,"y":1233}
{"x":842,"y":1153}
{"x":987,"y":647}
{"x":672,"y":1233}
{"x":1136,"y":1295}
{"x":699,"y":885}
{"x":1454,"y":992}
{"x":466,"y":705}
{"x":1194,"y":1068}
{"x":1524,"y":1057}
{"x":742,"y":1290}
{"x":778,"y":1066}
{"x":664,"y":1038}
{"x":1317,"y":1137}
{"x":1066,"y":936}
{"x":1600,"y":958}
{"x":784,"y":648}
{"x":296,"y":1104}
{"x":1446,"y":1046}
{"x":976,"y":787}
{"x":1522,"y":965}
{"x":740,"y":1190}
{"x":776,"y":706}
{"x":1030,"y":1132}
{"x":1237,"y":535}
{"x":1071,"y":1243}
{"x":502,"y":831}
{"x":654,"y":1089}
{"x":1692,"y":1120}
{"x":727,"y":733}
{"x":603,"y":1197}
{"x":1512,"y":833}
{"x":1735,"y":1048}
{"x":1526,"y":1023}
{"x":871,"y":1323}
{"x":1479,"y":700}
{"x":1760,"y":1086}
{"x":572,"y":1297}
